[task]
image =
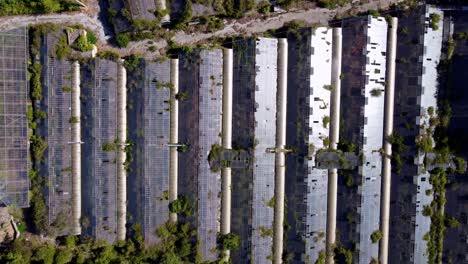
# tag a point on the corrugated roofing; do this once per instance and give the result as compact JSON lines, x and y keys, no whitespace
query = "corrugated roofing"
{"x":428,"y":98}
{"x":265,"y":133}
{"x":209,"y":182}
{"x":14,"y":180}
{"x":156,"y":152}
{"x":58,"y":83}
{"x":319,"y":103}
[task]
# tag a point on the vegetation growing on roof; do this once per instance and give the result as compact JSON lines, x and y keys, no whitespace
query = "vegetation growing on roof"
{"x":434,"y":20}
{"x":228,"y":241}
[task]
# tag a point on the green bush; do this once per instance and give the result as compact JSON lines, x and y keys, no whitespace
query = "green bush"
{"x":460,"y":165}
{"x":451,"y":222}
{"x":374,"y":13}
{"x":332,"y":4}
{"x":122,"y":39}
{"x":82,"y":44}
{"x":108,"y":55}
{"x":39,"y":114}
{"x":110,"y":146}
{"x":132,"y":62}
{"x":36,"y":86}
{"x":91,"y":37}
{"x":325,"y":121}
{"x":228,"y":241}
{"x":19,"y":7}
{"x":62,"y":50}
{"x":180,"y":205}
{"x":376,"y":236}
{"x":38,"y":147}
{"x":376,"y":92}
{"x":434,"y":21}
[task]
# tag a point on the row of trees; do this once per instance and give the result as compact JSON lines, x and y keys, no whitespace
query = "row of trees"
{"x":18,"y":7}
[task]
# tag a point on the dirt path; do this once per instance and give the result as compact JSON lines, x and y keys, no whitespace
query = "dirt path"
{"x":89,"y":18}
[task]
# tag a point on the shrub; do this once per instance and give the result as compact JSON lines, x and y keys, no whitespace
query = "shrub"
{"x":228,"y":241}
{"x":376,"y":92}
{"x":328,"y":87}
{"x":180,"y":205}
{"x":182,"y":96}
{"x":91,"y":37}
{"x":74,"y":120}
{"x":325,"y":121}
{"x":215,"y":151}
{"x":374,"y":13}
{"x":264,"y":7}
{"x":82,"y":44}
{"x":36,"y":87}
{"x":451,"y":222}
{"x":38,"y":147}
{"x":108,"y":55}
{"x":376,"y":236}
{"x":461,"y":165}
{"x":132,"y":62}
{"x":110,"y":146}
{"x":122,"y":39}
{"x":434,"y":20}
{"x":427,"y":210}
{"x":62,"y":50}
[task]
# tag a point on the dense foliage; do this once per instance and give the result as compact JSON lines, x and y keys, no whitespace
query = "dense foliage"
{"x":18,"y":7}
{"x":178,"y":245}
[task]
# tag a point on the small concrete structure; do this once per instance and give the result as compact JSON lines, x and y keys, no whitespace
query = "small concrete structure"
{"x":226,"y":140}
{"x":388,"y":131}
{"x":334,"y":137}
{"x":280,"y":166}
{"x":76,"y":149}
{"x":174,"y":135}
{"x":121,"y":155}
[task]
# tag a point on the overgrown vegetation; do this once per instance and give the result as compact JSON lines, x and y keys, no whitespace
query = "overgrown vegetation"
{"x":332,"y":4}
{"x":38,"y":145}
{"x":181,"y":205}
{"x":398,"y":147}
{"x":178,"y":245}
{"x":228,"y":241}
{"x":122,"y":39}
{"x":19,"y":7}
{"x":434,"y":20}
{"x":62,"y":50}
{"x":82,"y":44}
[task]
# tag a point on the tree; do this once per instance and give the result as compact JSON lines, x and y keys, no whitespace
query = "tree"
{"x":51,"y":6}
{"x":45,"y":254}
{"x":63,"y":256}
{"x":228,"y":241}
